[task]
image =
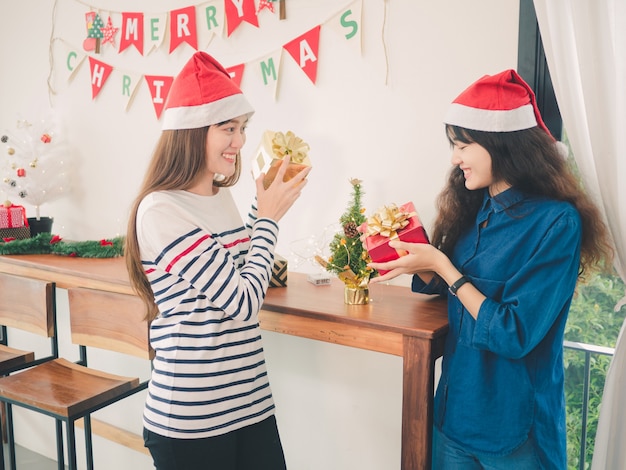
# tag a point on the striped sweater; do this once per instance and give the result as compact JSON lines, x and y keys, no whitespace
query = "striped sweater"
{"x":209,"y":274}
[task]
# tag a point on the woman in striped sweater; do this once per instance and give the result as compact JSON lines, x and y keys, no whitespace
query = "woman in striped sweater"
{"x":203,"y":275}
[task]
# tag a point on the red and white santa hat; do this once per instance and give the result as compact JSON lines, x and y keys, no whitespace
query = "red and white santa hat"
{"x":203,"y":94}
{"x":496,"y":103}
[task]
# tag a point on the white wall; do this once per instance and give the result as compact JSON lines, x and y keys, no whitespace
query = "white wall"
{"x":375,"y":116}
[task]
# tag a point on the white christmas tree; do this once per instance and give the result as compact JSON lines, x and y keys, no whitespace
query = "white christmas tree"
{"x":33,"y":165}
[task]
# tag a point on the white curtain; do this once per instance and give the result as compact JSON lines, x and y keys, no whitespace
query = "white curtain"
{"x":585,"y":44}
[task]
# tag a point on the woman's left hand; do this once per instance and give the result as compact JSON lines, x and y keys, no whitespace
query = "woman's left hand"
{"x":420,"y":258}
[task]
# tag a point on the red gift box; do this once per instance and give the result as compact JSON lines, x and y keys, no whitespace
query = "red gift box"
{"x":12,"y":216}
{"x":377,"y":245}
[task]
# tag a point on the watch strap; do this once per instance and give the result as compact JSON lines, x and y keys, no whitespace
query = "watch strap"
{"x":454,"y":287}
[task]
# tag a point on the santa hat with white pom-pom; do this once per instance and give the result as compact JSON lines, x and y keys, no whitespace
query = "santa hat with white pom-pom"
{"x":498,"y":103}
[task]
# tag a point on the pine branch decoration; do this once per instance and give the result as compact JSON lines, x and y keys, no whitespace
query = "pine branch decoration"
{"x":46,"y":243}
{"x":349,"y":257}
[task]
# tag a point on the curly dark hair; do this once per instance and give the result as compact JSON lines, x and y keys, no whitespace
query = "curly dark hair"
{"x":530,"y":161}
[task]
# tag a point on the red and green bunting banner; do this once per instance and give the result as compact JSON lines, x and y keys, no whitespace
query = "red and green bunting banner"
{"x":142,"y":33}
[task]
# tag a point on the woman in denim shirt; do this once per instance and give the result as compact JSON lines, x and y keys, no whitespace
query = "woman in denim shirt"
{"x":513,"y":234}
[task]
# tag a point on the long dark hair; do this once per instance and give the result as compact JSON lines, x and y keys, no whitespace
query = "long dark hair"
{"x":530,"y":161}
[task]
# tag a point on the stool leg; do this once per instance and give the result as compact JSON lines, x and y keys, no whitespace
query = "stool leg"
{"x":88,"y":441}
{"x":10,"y":436}
{"x":4,"y":422}
{"x":2,"y":450}
{"x":60,"y":453}
{"x":71,"y":446}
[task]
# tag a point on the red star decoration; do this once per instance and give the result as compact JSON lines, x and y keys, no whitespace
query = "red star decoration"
{"x":109,"y":32}
{"x":266,"y":4}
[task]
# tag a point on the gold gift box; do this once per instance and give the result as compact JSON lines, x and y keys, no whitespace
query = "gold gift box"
{"x":272,"y":149}
{"x":279,"y":272}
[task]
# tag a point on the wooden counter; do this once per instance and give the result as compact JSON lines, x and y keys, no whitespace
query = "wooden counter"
{"x":396,"y":322}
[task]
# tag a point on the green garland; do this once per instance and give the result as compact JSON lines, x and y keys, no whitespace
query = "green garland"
{"x":47,"y":243}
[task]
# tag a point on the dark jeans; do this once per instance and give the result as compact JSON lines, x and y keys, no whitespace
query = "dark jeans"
{"x":447,"y":455}
{"x":255,"y":447}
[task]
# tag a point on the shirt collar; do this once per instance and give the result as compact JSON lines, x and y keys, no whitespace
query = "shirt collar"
{"x":502,"y":201}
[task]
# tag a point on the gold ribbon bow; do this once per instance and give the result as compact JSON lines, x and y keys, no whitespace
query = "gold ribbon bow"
{"x":290,"y":144}
{"x":387,"y":221}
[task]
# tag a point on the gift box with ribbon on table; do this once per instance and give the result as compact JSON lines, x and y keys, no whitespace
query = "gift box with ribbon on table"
{"x":389,"y":223}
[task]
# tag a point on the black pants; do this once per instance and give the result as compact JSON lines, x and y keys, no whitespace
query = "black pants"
{"x":255,"y":447}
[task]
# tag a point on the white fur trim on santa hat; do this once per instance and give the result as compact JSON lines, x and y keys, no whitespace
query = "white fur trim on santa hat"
{"x":490,"y":120}
{"x":194,"y":117}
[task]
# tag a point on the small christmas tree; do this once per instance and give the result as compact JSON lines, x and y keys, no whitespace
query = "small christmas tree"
{"x":349,"y":257}
{"x":33,"y":166}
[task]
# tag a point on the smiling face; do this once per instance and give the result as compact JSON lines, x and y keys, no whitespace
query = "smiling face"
{"x":223,"y":144}
{"x":475,"y":163}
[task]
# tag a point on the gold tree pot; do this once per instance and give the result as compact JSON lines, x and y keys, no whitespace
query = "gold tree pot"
{"x":356,"y":295}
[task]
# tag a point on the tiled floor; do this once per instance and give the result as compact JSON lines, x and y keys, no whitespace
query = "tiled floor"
{"x":27,"y":460}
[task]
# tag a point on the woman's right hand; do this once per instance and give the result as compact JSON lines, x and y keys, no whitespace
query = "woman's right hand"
{"x":275,"y":201}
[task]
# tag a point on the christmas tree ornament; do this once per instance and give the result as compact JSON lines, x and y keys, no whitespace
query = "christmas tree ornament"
{"x":108,"y":33}
{"x":265,"y":4}
{"x":94,"y":30}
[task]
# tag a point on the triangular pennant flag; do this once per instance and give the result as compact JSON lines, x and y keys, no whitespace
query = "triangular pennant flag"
{"x":130,"y":82}
{"x":269,"y":70}
{"x":238,"y":11}
{"x":74,"y":60}
{"x":236,"y":73}
{"x":132,"y":31}
{"x":210,"y":22}
{"x":183,"y":28}
{"x":348,"y":24}
{"x":156,"y":27}
{"x":99,"y":74}
{"x":159,"y":89}
{"x":304,"y":50}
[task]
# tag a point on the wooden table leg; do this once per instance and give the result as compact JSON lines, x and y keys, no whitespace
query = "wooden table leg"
{"x":417,"y":403}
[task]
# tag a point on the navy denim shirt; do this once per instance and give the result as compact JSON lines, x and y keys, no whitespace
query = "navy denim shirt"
{"x":502,"y":374}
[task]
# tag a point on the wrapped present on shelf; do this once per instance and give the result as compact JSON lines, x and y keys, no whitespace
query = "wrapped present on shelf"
{"x":389,"y":223}
{"x":273,"y":148}
{"x":279,"y":272}
{"x":12,"y":216}
{"x":19,"y":233}
{"x":13,"y":222}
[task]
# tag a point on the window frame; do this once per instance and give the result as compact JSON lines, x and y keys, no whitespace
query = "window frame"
{"x":533,"y":67}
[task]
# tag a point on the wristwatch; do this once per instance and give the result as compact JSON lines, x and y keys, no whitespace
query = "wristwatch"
{"x":457,"y":284}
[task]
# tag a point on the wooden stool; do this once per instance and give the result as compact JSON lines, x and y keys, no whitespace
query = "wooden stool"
{"x":27,"y":305}
{"x":98,"y":319}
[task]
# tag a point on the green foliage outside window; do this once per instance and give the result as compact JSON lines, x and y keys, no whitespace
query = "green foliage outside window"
{"x":592,"y":320}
